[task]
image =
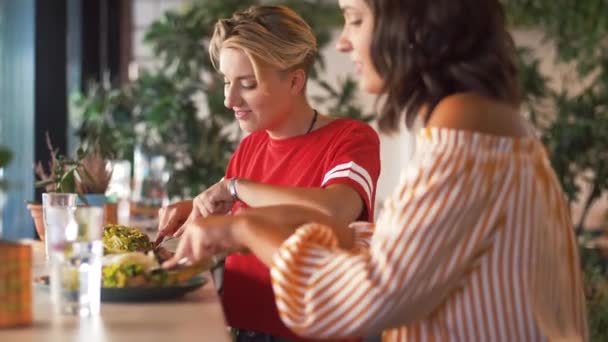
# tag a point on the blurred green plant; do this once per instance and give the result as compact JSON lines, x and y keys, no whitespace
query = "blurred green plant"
{"x":87,"y":173}
{"x":60,"y":174}
{"x":176,"y":109}
{"x":573,"y":119}
{"x":595,"y":281}
{"x":105,"y":120}
{"x":5,"y":158}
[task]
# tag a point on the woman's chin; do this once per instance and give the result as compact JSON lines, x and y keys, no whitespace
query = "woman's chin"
{"x":247,"y":126}
{"x":371,"y":86}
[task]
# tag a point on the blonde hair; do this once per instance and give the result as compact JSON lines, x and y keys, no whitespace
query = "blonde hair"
{"x":274,"y":35}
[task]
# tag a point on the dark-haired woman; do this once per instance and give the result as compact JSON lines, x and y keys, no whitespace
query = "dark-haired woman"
{"x":476,"y":243}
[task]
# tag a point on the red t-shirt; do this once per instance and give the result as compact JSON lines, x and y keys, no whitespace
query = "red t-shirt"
{"x":344,"y":151}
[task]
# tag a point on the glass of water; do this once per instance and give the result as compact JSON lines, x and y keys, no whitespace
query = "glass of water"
{"x":76,"y":264}
{"x":57,"y":212}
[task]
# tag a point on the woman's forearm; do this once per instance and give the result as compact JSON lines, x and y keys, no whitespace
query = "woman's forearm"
{"x":340,"y":202}
{"x":290,"y":217}
{"x":261,"y":237}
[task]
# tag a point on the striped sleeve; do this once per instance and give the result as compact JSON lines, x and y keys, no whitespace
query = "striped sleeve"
{"x":363,"y":232}
{"x":423,"y":245}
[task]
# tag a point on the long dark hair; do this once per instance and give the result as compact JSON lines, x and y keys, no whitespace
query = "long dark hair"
{"x":426,"y":50}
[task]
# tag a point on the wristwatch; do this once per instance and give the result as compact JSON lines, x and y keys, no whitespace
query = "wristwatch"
{"x":232,"y":188}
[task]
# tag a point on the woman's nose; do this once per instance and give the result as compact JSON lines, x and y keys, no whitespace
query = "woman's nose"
{"x":231,"y":97}
{"x":343,"y":44}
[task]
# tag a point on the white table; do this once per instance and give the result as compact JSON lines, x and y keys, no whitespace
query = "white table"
{"x":196,"y":317}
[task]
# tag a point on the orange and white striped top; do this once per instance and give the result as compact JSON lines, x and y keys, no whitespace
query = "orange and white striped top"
{"x":475,"y":244}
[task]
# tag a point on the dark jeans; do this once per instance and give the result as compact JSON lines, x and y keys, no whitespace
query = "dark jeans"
{"x":241,"y":335}
{"x":251,"y":336}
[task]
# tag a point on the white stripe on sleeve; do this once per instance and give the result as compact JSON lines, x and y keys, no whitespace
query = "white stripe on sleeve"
{"x":354,"y":172}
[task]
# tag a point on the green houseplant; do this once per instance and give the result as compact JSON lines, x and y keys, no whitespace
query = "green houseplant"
{"x":105,"y":120}
{"x":93,"y":178}
{"x":88,"y":175}
{"x":93,"y":175}
{"x":59,"y":176}
{"x":177,"y":110}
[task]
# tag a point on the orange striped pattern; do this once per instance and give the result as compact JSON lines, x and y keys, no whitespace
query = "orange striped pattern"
{"x":15,"y":284}
{"x":476,"y":244}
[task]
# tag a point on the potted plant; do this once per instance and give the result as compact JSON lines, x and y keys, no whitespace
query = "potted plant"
{"x":60,"y":176}
{"x":88,"y":176}
{"x":93,"y":176}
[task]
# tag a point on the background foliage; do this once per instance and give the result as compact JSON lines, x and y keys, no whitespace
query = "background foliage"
{"x":572,"y":119}
{"x":5,"y":156}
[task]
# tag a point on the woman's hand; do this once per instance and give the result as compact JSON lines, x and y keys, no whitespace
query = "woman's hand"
{"x":171,"y":218}
{"x":205,"y":237}
{"x":216,"y":200}
{"x":213,"y":201}
{"x":213,"y":235}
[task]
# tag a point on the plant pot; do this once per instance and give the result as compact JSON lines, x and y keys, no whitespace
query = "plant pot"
{"x":94,"y":200}
{"x":36,"y":212}
{"x":110,"y":216}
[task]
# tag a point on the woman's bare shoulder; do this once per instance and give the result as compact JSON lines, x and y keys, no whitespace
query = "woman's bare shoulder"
{"x":477,"y":113}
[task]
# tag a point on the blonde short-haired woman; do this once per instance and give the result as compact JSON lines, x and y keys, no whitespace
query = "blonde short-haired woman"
{"x":294,"y":155}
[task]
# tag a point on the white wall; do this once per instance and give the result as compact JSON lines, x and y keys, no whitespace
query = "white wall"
{"x":145,"y":12}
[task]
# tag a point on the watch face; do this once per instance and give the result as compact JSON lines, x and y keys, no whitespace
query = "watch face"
{"x":232,"y":189}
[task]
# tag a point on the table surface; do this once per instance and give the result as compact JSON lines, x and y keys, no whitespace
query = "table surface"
{"x":196,"y":317}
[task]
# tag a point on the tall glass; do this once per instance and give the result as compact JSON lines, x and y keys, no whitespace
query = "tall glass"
{"x":76,"y":264}
{"x":120,"y":188}
{"x":57,"y":212}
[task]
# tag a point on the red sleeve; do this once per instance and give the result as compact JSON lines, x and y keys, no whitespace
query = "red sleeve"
{"x":356,"y":163}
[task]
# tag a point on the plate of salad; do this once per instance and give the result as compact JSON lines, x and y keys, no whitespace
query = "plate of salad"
{"x":131,"y":270}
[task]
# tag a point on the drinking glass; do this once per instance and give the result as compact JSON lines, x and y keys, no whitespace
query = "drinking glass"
{"x":57,"y":212}
{"x":120,"y":188}
{"x":76,"y":264}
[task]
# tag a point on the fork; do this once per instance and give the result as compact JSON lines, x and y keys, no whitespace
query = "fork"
{"x":166,"y":240}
